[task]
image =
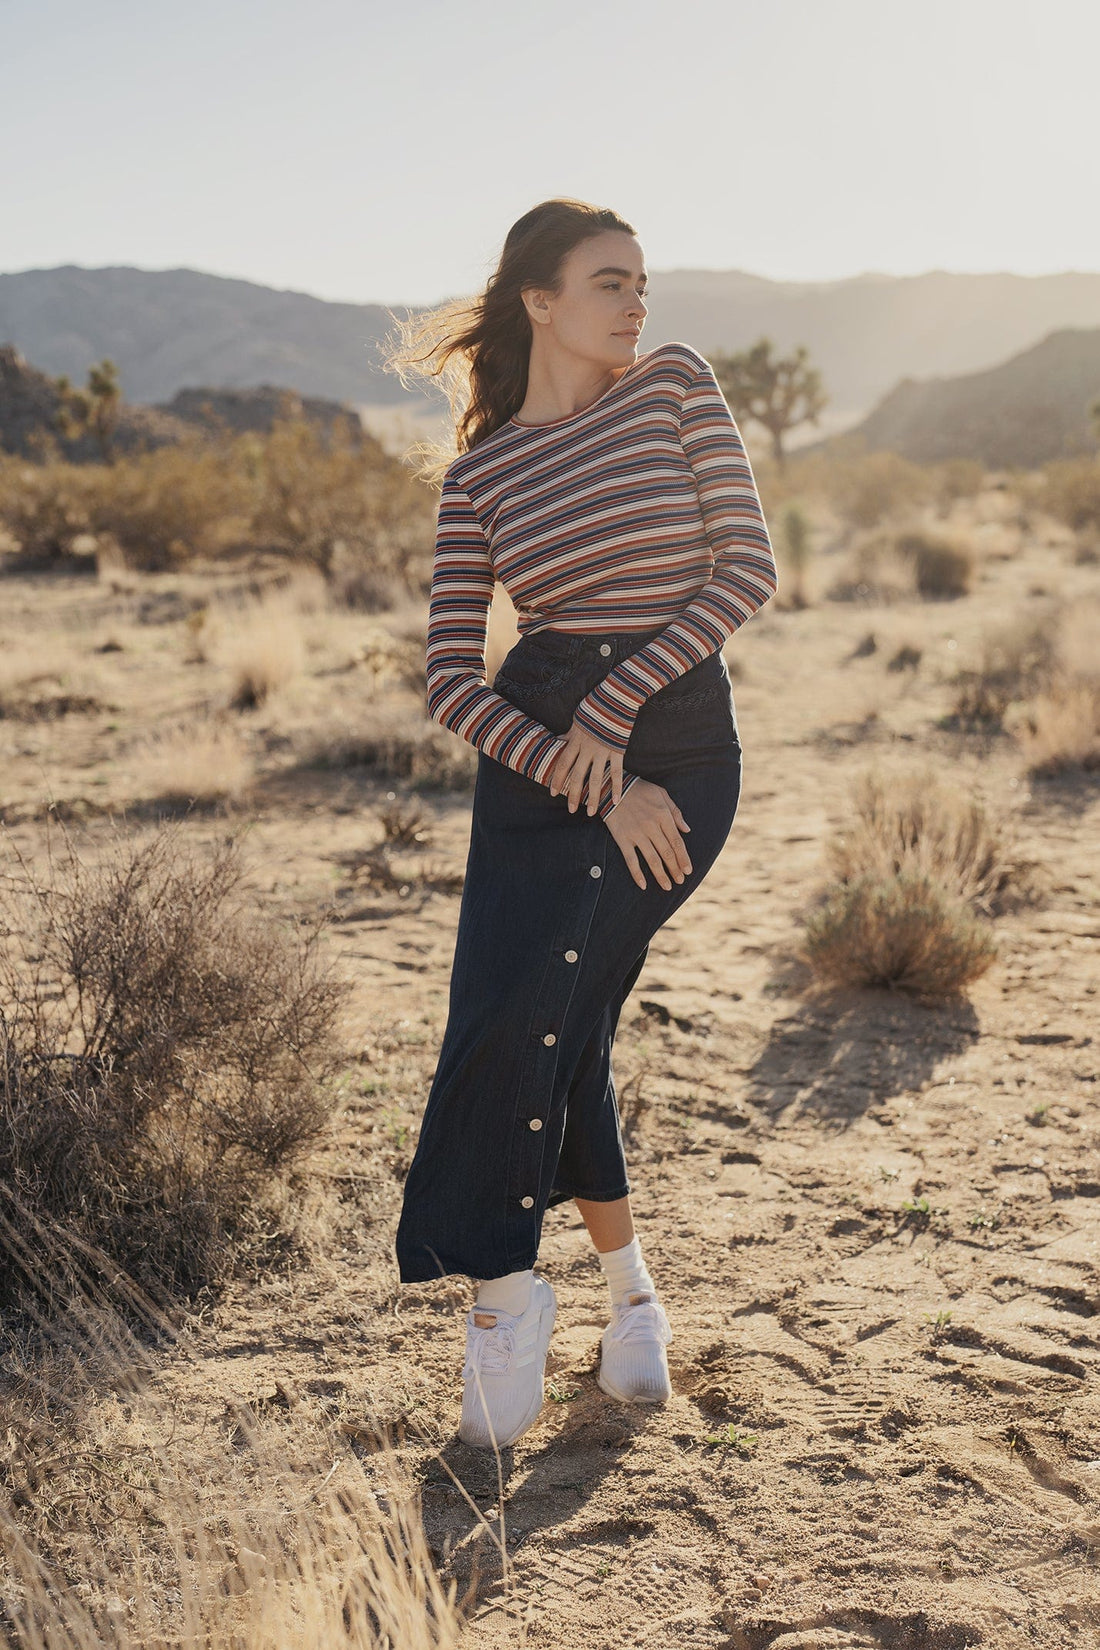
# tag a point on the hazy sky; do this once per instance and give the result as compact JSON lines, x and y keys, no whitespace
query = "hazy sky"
{"x":379,"y":152}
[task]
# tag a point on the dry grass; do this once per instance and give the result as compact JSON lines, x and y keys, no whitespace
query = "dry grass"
{"x":904,"y":933}
{"x":899,"y":564}
{"x":1039,"y":679}
{"x":1014,"y":663}
{"x":916,"y":876}
{"x":263,"y":649}
{"x":202,"y":765}
{"x":40,"y":681}
{"x":398,"y":746}
{"x":119,"y":1529}
{"x":1060,"y":731}
{"x":1069,"y":490}
{"x":915,"y":824}
{"x":162,"y":1050}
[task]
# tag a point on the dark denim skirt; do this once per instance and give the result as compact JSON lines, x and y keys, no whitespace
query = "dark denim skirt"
{"x":552,"y":935}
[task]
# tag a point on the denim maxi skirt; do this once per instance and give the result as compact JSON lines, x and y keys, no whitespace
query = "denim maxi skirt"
{"x":552,"y":935}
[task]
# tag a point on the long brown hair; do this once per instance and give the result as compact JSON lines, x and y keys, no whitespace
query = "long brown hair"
{"x":479,"y":349}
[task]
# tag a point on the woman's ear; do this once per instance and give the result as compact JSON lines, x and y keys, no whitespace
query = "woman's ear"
{"x":535,"y":302}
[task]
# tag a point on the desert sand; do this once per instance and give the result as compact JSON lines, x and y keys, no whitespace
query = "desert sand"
{"x":885,"y":1425}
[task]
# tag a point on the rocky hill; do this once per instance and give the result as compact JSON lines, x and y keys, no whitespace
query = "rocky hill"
{"x":165,"y":329}
{"x":29,"y":402}
{"x":1031,"y":408}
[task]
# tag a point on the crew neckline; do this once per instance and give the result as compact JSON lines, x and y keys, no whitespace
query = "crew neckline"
{"x":551,"y":423}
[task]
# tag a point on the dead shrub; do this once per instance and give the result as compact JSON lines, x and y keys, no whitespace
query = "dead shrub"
{"x":405,"y":825}
{"x":914,"y":825}
{"x":1014,"y":663}
{"x":866,"y":488}
{"x":200,"y":765}
{"x":898,"y":564}
{"x":905,"y":933}
{"x":943,"y":567}
{"x":956,"y":478}
{"x":876,"y":572}
{"x":420,"y":753}
{"x":1060,"y":730}
{"x":917,"y":875}
{"x":162,"y":1052}
{"x":264,"y":649}
{"x":1070,"y":492}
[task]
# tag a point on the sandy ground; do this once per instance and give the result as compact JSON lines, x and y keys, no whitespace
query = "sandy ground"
{"x":885,"y":1426}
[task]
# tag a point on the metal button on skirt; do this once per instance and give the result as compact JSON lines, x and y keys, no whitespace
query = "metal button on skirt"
{"x":553,"y":932}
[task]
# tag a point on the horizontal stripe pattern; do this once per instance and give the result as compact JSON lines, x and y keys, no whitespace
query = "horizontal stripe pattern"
{"x":640,"y":510}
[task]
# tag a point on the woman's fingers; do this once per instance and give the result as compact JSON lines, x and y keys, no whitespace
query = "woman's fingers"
{"x":676,"y":855}
{"x":651,"y":853}
{"x":595,"y":784}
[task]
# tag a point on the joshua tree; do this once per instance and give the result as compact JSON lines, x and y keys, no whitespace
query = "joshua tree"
{"x":779,"y":393}
{"x":93,"y":410}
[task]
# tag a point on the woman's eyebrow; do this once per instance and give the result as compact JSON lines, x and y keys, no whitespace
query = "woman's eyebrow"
{"x":610,"y":269}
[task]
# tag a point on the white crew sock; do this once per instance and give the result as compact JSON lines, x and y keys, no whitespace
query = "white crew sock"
{"x":625,"y":1271}
{"x":511,"y":1293}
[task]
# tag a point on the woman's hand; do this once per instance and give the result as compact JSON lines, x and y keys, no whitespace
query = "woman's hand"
{"x":648,"y":822}
{"x":570,"y":769}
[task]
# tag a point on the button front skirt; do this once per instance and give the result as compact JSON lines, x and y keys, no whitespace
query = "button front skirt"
{"x":552,"y":935}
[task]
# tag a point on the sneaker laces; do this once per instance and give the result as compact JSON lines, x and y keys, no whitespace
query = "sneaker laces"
{"x":639,"y":1321}
{"x":491,"y":1349}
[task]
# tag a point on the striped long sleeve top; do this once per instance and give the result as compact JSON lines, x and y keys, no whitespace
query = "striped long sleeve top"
{"x":640,"y":510}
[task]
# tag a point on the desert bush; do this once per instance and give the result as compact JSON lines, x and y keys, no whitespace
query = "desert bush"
{"x":866,"y":488}
{"x":163,"y":508}
{"x":352,"y":510}
{"x":875,"y":572}
{"x":44,"y":507}
{"x":1070,"y":492}
{"x":1060,"y":729}
{"x":956,"y":478}
{"x":893,"y":565}
{"x":162,"y":1051}
{"x":916,"y":876}
{"x":943,"y":567}
{"x":914,"y":824}
{"x":398,"y":748}
{"x":905,"y":933}
{"x":1015,"y":661}
{"x":263,"y":648}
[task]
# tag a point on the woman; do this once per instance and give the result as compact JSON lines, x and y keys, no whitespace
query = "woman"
{"x":610,"y":494}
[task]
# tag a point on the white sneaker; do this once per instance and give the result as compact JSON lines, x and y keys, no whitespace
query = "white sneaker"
{"x":504,"y":1369}
{"x":633,"y":1361}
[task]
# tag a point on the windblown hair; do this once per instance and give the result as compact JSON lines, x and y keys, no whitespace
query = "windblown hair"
{"x":479,"y":349}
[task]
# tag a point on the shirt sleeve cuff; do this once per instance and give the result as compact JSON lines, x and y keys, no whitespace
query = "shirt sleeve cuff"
{"x":606,"y":805}
{"x":607,"y":715}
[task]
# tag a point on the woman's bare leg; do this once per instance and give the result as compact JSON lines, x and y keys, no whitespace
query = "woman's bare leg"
{"x":610,"y":1225}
